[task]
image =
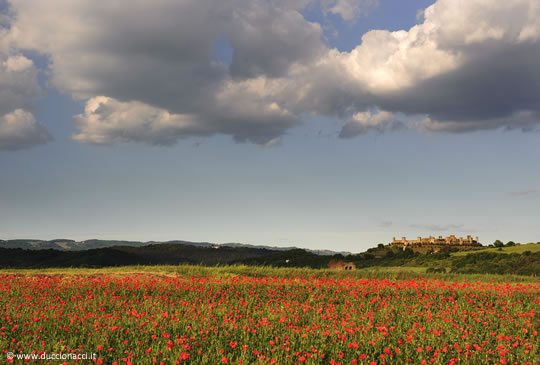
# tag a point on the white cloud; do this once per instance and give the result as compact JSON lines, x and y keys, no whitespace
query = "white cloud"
{"x":241,"y":110}
{"x":18,"y":82}
{"x":468,"y":23}
{"x":388,"y":61}
{"x":444,"y":42}
{"x":268,"y":40}
{"x":162,"y":55}
{"x":349,"y":10}
{"x":363,"y":122}
{"x":469,"y":65}
{"x":17,"y":63}
{"x":18,"y":88}
{"x":254,"y":106}
{"x":525,"y":120}
{"x":19,"y":130}
{"x":108,"y":121}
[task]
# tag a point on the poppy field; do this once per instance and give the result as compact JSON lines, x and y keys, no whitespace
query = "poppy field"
{"x":143,"y":318}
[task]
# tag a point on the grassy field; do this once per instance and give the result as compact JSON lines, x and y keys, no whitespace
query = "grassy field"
{"x":246,"y":314}
{"x":532,"y":247}
{"x":227,"y":271}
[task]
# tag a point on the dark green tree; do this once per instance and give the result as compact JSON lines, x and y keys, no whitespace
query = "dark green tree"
{"x":408,"y":252}
{"x":498,"y":243}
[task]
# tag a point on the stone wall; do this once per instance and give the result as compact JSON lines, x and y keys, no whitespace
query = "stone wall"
{"x":450,"y":240}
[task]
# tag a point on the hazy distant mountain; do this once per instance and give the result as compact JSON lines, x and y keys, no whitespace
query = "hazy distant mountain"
{"x":523,"y":262}
{"x":71,"y":245}
{"x":154,"y":254}
{"x":66,"y":244}
{"x":317,"y":252}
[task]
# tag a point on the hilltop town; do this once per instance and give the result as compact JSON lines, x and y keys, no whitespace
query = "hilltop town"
{"x":438,"y":244}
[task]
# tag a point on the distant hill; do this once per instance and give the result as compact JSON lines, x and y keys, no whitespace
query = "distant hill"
{"x":71,"y":245}
{"x":532,"y":247}
{"x":159,"y":254}
{"x":273,"y":248}
{"x":66,"y":244}
{"x":478,"y":262}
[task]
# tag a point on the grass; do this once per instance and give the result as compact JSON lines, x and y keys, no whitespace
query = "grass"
{"x":396,"y":269}
{"x":533,"y":247}
{"x":256,"y":314}
{"x":227,"y":271}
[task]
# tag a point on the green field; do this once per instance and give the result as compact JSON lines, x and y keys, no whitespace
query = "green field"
{"x":532,"y":247}
{"x":225,"y":271}
{"x":264,"y":315}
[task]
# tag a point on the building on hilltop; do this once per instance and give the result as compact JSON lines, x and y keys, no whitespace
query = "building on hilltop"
{"x":450,"y":240}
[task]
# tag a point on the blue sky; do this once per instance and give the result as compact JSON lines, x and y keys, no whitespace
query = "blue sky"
{"x":291,"y":174}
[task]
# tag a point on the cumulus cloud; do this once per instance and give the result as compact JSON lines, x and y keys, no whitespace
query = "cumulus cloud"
{"x":253,"y":110}
{"x":18,"y":82}
{"x":468,"y":66}
{"x":18,"y":88}
{"x":527,"y":121}
{"x":19,"y":130}
{"x":268,"y":40}
{"x":108,"y":121}
{"x":349,"y":10}
{"x":363,"y":122}
{"x":162,"y":55}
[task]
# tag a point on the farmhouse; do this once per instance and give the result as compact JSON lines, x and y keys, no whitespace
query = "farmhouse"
{"x":341,"y":265}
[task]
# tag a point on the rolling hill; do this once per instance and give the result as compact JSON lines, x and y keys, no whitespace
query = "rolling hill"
{"x":72,"y":245}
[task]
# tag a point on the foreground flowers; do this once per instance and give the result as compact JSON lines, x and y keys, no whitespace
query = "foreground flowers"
{"x":141,"y":318}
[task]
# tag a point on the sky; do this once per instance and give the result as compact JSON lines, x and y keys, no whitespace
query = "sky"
{"x":324,"y":124}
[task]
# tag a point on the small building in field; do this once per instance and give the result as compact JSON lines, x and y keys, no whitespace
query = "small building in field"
{"x":341,"y":265}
